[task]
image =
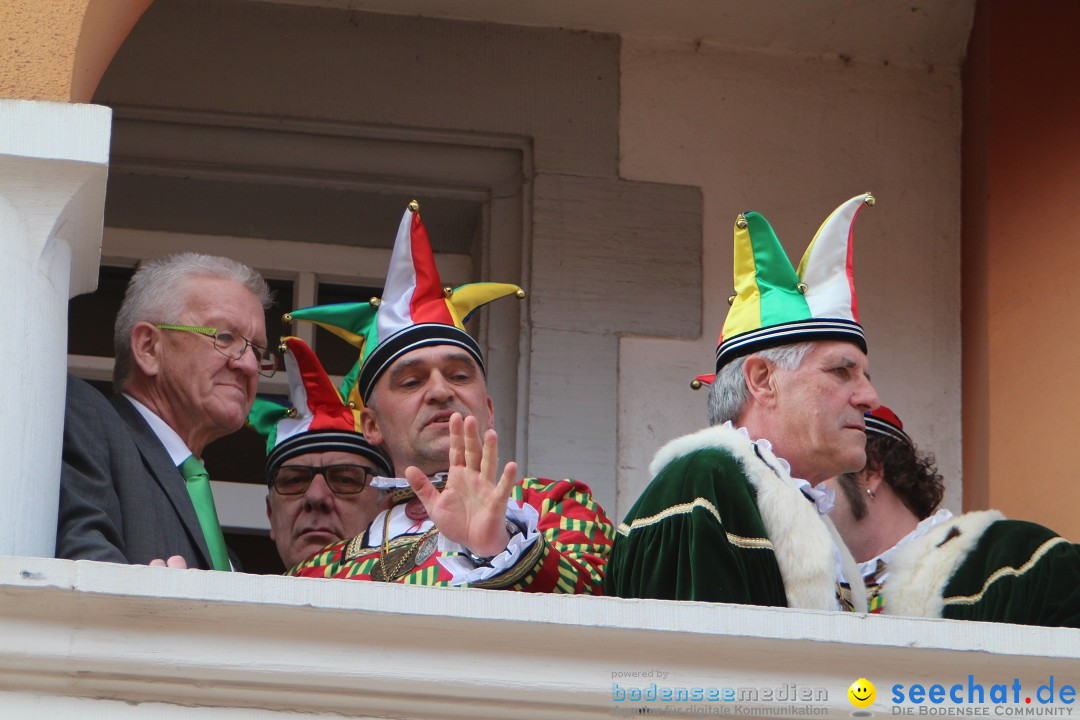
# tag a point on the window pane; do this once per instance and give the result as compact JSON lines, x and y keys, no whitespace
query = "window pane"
{"x":257,"y":553}
{"x":283,"y":303}
{"x":91,"y":317}
{"x":336,"y":355}
{"x":240,"y":457}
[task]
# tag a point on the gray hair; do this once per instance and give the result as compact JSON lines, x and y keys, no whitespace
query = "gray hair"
{"x":728,"y":393}
{"x":158,"y":293}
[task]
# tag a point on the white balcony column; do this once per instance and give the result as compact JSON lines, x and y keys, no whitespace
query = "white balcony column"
{"x":54,"y":159}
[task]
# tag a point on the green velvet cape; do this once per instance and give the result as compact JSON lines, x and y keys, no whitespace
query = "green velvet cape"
{"x":980,"y":566}
{"x":722,"y":521}
{"x":696,"y":534}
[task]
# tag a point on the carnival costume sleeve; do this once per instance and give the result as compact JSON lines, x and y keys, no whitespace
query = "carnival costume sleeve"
{"x":574,"y":544}
{"x":696,"y":534}
{"x":569,"y":556}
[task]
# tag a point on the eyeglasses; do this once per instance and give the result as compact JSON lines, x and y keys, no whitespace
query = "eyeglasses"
{"x":231,"y":345}
{"x":342,"y":479}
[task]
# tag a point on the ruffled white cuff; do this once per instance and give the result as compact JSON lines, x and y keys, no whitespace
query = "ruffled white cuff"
{"x":464,"y":570}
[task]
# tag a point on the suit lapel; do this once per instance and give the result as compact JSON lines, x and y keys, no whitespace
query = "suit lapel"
{"x":166,"y":474}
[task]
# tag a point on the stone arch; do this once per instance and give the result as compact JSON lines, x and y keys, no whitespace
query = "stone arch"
{"x":59,"y":50}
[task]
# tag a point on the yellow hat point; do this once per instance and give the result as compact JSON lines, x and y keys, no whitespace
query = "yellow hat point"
{"x":731,"y":299}
{"x":352,"y":404}
{"x":520,"y":293}
{"x":448,"y":291}
{"x":740,"y":221}
{"x":414,"y":206}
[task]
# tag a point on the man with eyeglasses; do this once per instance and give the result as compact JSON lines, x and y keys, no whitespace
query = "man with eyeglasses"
{"x":452,"y":519}
{"x":190,"y":343}
{"x":318,"y":464}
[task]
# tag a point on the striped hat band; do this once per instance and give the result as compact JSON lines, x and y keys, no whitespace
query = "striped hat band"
{"x":325,"y":441}
{"x":405,"y":341}
{"x":877,"y":426}
{"x":787,"y":334}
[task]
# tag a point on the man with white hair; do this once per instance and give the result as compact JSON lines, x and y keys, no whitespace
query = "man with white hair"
{"x":190,"y":344}
{"x":733,"y":513}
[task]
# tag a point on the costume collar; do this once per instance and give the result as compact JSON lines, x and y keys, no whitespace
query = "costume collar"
{"x":380,"y":482}
{"x":824,"y":498}
{"x":869,"y":567}
{"x":399,"y":488}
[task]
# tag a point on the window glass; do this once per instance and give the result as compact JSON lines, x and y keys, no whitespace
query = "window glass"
{"x":336,"y":355}
{"x":91,"y":317}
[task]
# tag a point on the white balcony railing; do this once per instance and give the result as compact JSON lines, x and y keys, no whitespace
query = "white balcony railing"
{"x":89,"y":640}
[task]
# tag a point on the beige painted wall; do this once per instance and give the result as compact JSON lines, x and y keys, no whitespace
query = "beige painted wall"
{"x":1021,"y":252}
{"x":58,"y":49}
{"x":792,"y":137}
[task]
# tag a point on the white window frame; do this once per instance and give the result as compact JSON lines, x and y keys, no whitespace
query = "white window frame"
{"x":493,"y":170}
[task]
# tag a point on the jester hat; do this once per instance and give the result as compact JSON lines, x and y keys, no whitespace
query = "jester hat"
{"x":885,"y":422}
{"x":776,"y":305}
{"x":415,"y":311}
{"x":318,"y":421}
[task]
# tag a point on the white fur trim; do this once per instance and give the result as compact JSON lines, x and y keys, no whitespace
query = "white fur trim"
{"x":920,"y":570}
{"x":801,"y":539}
{"x":715,"y":436}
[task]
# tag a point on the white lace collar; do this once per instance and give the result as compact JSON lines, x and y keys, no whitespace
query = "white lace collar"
{"x":393,"y":483}
{"x":824,"y":498}
{"x":870,"y":566}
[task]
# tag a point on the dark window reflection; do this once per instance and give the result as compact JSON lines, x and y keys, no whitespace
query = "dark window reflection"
{"x":336,"y":355}
{"x":91,"y":317}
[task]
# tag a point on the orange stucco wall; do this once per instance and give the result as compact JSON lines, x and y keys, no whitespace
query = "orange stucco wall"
{"x":1021,"y":221}
{"x":58,"y":49}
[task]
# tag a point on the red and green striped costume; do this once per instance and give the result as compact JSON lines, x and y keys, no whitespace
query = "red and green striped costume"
{"x":568,"y":557}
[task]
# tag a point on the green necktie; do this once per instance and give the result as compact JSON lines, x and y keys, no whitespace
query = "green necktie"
{"x":198,"y":487}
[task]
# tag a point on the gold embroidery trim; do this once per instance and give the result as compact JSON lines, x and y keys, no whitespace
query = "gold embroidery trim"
{"x":750,"y":543}
{"x":686,"y":509}
{"x":1006,"y":572}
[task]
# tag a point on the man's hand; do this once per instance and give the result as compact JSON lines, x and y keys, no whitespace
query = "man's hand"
{"x":176,"y":561}
{"x":471,"y":509}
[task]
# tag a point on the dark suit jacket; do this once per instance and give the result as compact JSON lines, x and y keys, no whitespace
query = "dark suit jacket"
{"x":121,"y":497}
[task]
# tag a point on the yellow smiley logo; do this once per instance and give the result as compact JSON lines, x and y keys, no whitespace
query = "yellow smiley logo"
{"x":862,"y":693}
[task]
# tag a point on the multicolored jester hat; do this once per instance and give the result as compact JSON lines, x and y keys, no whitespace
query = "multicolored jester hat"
{"x":415,"y":311}
{"x":318,"y":421}
{"x":776,"y":305}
